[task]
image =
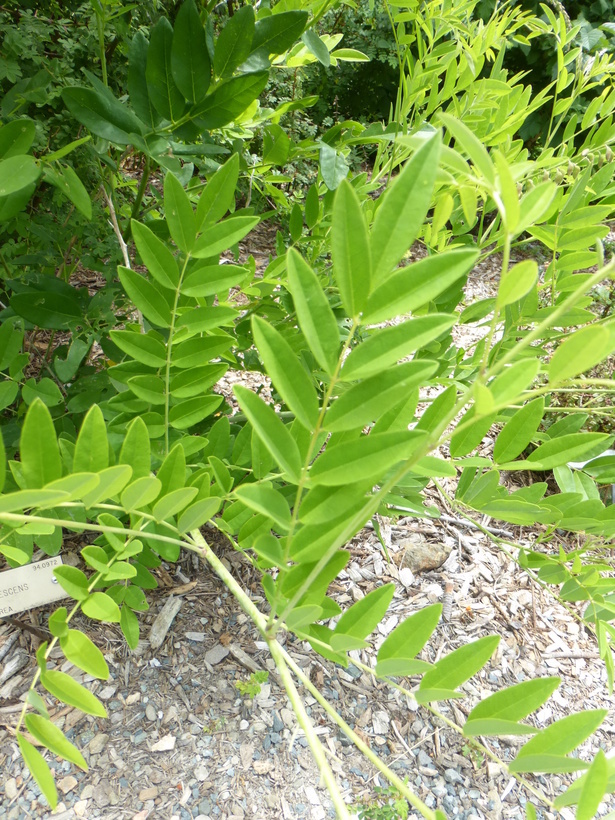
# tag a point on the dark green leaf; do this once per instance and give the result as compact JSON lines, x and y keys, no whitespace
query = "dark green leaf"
{"x":189,"y":55}
{"x":223,"y":235}
{"x":103,"y":116}
{"x":158,"y":259}
{"x":278,"y":32}
{"x":219,"y":193}
{"x":229,"y":99}
{"x":146,"y":297}
{"x":234,"y":42}
{"x":17,"y":173}
{"x":166,"y":97}
{"x":317,"y":47}
{"x":16,"y":137}
{"x":137,"y":83}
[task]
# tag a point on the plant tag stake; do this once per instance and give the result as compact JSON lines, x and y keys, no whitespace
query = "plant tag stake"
{"x":30,"y":586}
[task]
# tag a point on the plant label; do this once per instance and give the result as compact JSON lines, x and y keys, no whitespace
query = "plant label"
{"x":30,"y":586}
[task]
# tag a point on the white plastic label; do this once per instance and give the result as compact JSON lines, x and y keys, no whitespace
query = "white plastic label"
{"x":30,"y":586}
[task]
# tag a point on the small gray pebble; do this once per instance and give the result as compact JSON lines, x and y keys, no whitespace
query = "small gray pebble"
{"x":424,"y":759}
{"x":452,"y":776}
{"x":278,"y":723}
{"x":474,"y":794}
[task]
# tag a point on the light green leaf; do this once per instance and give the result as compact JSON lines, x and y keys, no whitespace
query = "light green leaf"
{"x":516,"y":282}
{"x":198,"y":514}
{"x":145,"y":348}
{"x":101,"y":607}
{"x":149,"y":388}
{"x":594,"y":788}
{"x":403,"y":208}
{"x":563,"y":736}
{"x":44,"y":389}
{"x":408,"y":639}
{"x":66,"y":689}
{"x":53,"y":739}
{"x":129,"y":624}
{"x":265,"y":500}
{"x":81,"y":652}
{"x":579,"y":352}
{"x":316,"y":318}
{"x":317,"y":47}
{"x":190,"y":64}
{"x":64,"y":178}
{"x":472,"y":146}
{"x":460,"y":665}
{"x":388,"y":345}
{"x":141,"y":493}
{"x":366,"y":613}
{"x":136,"y":449}
{"x":40,"y":770}
{"x":287,"y":373}
{"x":146,"y":297}
{"x":368,"y":457}
{"x":177,"y":208}
{"x":515,"y":702}
{"x":573,"y":447}
{"x":301,"y":616}
{"x":271,"y":431}
{"x":191,"y":411}
{"x":496,"y":727}
{"x":518,"y":431}
{"x":111,"y":482}
{"x":38,"y":447}
{"x":212,"y":279}
{"x":172,"y":503}
{"x":552,"y":764}
{"x":350,"y":251}
{"x":16,"y":137}
{"x":223,"y":235}
{"x":219,"y":192}
{"x":534,"y":205}
{"x":371,"y":398}
{"x":199,"y":350}
{"x":158,"y":259}
{"x":333,"y":166}
{"x":510,"y":384}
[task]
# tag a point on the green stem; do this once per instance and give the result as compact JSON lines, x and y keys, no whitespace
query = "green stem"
{"x":140,"y":194}
{"x":402,"y":787}
{"x":167,"y":371}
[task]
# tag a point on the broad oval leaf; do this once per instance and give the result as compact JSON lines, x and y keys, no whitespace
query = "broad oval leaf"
{"x":407,"y":639}
{"x":81,"y":652}
{"x":146,"y":297}
{"x":53,"y":739}
{"x":157,"y":258}
{"x":101,"y":607}
{"x":579,"y":352}
{"x":229,"y":100}
{"x":101,"y":114}
{"x":366,"y":613}
{"x":265,"y":500}
{"x":66,"y":689}
{"x":190,"y":64}
{"x":223,"y":235}
{"x":40,"y":770}
{"x":457,"y":667}
{"x":38,"y":447}
{"x":234,"y":42}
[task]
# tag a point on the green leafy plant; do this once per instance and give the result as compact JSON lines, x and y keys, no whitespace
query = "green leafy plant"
{"x":252,"y":687}
{"x":345,"y":335}
{"x":388,"y":805}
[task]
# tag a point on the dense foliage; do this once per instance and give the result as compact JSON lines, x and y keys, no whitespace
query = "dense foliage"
{"x":112,"y":421}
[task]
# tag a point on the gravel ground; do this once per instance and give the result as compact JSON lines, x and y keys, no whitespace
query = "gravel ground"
{"x":181,"y":742}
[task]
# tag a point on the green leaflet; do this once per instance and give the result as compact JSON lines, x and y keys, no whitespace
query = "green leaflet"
{"x":403,"y":208}
{"x":365,"y":615}
{"x":396,"y":654}
{"x":350,"y":250}
{"x":40,"y":455}
{"x":271,"y":431}
{"x":416,"y":285}
{"x":229,"y":99}
{"x":456,"y":668}
{"x":265,"y":500}
{"x":146,"y":297}
{"x":166,"y":97}
{"x":369,"y":399}
{"x":287,"y":373}
{"x":178,"y":210}
{"x":219,"y":192}
{"x":388,"y":345}
{"x":158,"y":259}
{"x":368,"y":457}
{"x":315,"y":317}
{"x":190,"y":64}
{"x":518,"y":431}
{"x":234,"y":42}
{"x":39,"y":768}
